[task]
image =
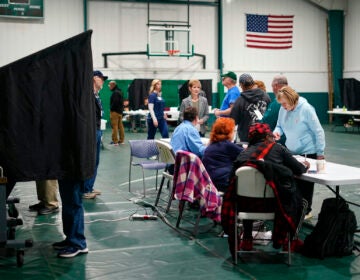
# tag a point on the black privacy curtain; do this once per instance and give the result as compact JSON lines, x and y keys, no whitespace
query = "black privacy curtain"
{"x":47,"y":113}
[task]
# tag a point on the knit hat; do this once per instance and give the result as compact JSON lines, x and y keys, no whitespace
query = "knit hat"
{"x":258,"y":132}
{"x":246,"y":80}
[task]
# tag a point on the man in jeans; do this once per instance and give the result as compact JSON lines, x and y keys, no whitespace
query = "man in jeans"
{"x":98,"y":82}
{"x":72,"y":191}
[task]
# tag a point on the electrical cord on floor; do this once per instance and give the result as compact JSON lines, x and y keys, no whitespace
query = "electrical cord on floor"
{"x":190,"y":237}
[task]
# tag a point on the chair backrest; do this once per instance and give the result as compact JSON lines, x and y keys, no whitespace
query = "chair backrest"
{"x":251,"y":183}
{"x":166,"y":153}
{"x":143,"y":148}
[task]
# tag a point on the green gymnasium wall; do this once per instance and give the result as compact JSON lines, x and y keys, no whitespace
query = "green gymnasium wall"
{"x":170,"y":90}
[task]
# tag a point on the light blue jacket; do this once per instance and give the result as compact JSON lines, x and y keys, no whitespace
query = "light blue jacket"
{"x":304,"y":133}
{"x":187,"y":138}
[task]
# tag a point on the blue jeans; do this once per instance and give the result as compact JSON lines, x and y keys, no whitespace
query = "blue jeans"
{"x":71,"y":192}
{"x":89,"y":183}
{"x":162,"y":125}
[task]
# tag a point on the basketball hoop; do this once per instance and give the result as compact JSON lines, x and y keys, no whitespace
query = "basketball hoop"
{"x":173,"y":52}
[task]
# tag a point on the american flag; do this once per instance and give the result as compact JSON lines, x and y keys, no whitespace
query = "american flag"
{"x":269,"y":31}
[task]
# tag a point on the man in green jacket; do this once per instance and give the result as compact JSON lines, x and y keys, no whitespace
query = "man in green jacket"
{"x":271,"y":114}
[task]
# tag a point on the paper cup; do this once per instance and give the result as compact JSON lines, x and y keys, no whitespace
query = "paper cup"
{"x":320,"y":166}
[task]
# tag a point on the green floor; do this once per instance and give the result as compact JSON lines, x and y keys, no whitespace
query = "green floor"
{"x":124,"y":249}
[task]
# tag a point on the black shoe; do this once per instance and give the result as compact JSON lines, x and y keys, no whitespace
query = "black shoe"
{"x":36,"y":207}
{"x":61,"y":245}
{"x":46,"y":210}
{"x":13,"y":212}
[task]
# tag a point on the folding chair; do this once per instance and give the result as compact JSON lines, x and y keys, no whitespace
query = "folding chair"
{"x":167,"y":156}
{"x":144,"y":149}
{"x":252,"y":184}
{"x":191,"y":183}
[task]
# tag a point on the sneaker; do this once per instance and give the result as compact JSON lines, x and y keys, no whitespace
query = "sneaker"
{"x":89,"y":195}
{"x":47,"y":210}
{"x":60,"y":245}
{"x":246,"y":244}
{"x":121,"y":143}
{"x":295,"y":245}
{"x":70,"y":252}
{"x":36,"y":207}
{"x":308,"y":216}
{"x":97,"y":192}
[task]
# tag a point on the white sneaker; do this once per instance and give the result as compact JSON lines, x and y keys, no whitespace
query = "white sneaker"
{"x":97,"y":192}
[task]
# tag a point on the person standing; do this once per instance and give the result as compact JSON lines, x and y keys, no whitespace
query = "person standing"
{"x":156,"y":117}
{"x":116,"y":114}
{"x":229,"y":81}
{"x":98,"y":82}
{"x":47,"y":195}
{"x":271,"y":114}
{"x":304,"y":133}
{"x":199,"y":102}
{"x":249,"y":107}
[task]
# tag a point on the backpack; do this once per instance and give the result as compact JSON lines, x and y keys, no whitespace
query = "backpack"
{"x":333,"y":234}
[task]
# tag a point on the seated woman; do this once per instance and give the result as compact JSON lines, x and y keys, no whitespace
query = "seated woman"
{"x":220,"y":154}
{"x":271,"y":158}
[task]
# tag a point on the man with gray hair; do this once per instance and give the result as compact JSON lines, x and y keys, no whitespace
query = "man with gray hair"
{"x":271,"y":115}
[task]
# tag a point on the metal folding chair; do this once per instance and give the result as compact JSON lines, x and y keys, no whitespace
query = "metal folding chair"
{"x":144,"y":150}
{"x":252,"y":184}
{"x":167,"y":156}
{"x":192,"y":182}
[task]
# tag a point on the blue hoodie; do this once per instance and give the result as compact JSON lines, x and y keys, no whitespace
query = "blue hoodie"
{"x":304,"y":133}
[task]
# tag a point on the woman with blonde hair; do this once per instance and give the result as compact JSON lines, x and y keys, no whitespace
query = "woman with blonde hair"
{"x":199,"y":102}
{"x":219,"y":155}
{"x":304,"y":134}
{"x":156,"y":117}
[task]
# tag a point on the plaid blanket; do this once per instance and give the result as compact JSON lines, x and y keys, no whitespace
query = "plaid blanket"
{"x":192,"y":182}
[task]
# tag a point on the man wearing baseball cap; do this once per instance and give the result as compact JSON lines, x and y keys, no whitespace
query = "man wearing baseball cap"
{"x":98,"y":82}
{"x":229,"y":81}
{"x":249,"y":107}
{"x":72,"y":207}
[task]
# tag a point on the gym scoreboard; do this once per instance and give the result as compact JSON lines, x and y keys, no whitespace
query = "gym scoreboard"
{"x":32,"y":9}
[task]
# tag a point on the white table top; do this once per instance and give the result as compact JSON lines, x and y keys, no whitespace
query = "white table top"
{"x":136,"y":112}
{"x":204,"y":140}
{"x":335,"y":174}
{"x":341,"y":112}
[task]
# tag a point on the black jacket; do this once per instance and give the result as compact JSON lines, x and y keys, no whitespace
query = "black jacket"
{"x":243,"y":111}
{"x":117,"y":101}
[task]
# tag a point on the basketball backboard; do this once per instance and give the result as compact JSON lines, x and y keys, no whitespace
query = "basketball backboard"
{"x":169,"y":41}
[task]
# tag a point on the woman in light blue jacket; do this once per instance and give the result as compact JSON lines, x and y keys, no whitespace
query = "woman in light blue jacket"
{"x":304,"y":133}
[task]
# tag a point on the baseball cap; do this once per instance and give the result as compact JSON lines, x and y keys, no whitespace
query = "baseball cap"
{"x":229,"y":74}
{"x":246,"y":80}
{"x":100,"y":74}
